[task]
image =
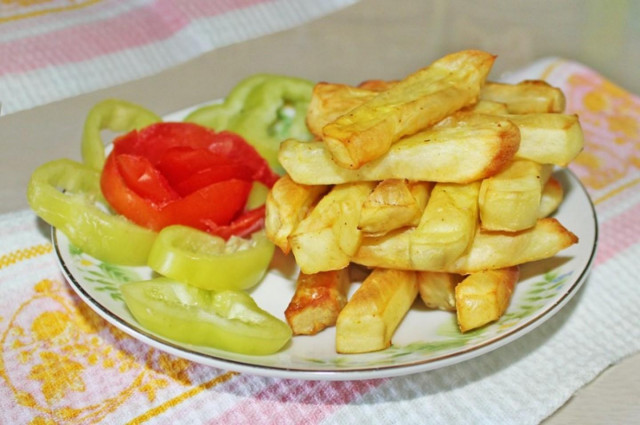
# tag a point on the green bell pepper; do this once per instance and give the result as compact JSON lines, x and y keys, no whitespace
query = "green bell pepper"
{"x":227,"y":320}
{"x":115,"y":115}
{"x":209,"y":262}
{"x":66,"y":194}
{"x":265,"y":109}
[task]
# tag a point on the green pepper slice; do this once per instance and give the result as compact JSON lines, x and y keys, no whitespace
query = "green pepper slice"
{"x":209,"y":262}
{"x":227,"y":320}
{"x":264,"y":109}
{"x":115,"y":115}
{"x":66,"y":194}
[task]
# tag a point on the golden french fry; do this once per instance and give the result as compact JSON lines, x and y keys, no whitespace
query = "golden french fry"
{"x":510,"y":200}
{"x":526,"y":97}
{"x":375,"y":310}
{"x":466,"y":148}
{"x":329,"y":235}
{"x":287,"y":204}
{"x":377,"y":85}
{"x":437,"y":289}
{"x":417,"y":102}
{"x":488,"y":250}
{"x":317,"y":301}
{"x":330,"y":101}
{"x":393,"y":204}
{"x":447,"y":226}
{"x":552,"y":196}
{"x":483,"y":297}
{"x":487,"y":107}
{"x":549,"y":138}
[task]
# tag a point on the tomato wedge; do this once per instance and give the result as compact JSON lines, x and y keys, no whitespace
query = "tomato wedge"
{"x":182,"y":173}
{"x":227,"y":320}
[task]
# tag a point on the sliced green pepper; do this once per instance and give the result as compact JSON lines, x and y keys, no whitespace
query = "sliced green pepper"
{"x":114,"y":115}
{"x":66,"y":194}
{"x":209,"y":262}
{"x":264,"y":109}
{"x":228,"y":320}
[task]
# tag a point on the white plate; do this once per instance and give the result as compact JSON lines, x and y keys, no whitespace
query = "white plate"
{"x":425,"y":339}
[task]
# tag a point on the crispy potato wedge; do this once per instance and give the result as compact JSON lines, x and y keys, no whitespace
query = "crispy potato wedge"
{"x":287,"y":204}
{"x":330,"y":101}
{"x":393,"y":204}
{"x":488,"y":250}
{"x":375,"y":310}
{"x":510,"y":200}
{"x":526,"y":97}
{"x":447,"y":226}
{"x":466,"y":148}
{"x":329,"y":235}
{"x":487,"y":107}
{"x":438,"y":289}
{"x":483,"y":297}
{"x":416,"y":102}
{"x":552,"y":196}
{"x":377,"y":85}
{"x":549,"y":138}
{"x":317,"y":301}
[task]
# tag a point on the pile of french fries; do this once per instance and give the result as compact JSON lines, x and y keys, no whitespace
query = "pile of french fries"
{"x":439,"y":184}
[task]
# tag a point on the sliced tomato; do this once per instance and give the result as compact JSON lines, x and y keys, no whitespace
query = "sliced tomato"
{"x":144,"y":179}
{"x":183,"y":173}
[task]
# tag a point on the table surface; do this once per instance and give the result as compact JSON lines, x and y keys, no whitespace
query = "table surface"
{"x":372,"y":39}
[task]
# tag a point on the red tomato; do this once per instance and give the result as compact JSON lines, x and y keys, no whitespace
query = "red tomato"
{"x":183,"y":173}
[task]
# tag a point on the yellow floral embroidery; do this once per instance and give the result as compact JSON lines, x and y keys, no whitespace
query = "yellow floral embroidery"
{"x":24,"y":254}
{"x":58,"y":375}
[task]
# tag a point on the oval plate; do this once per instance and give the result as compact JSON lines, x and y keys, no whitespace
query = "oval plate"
{"x":425,"y":340}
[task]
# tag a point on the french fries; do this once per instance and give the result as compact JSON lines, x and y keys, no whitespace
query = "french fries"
{"x":483,"y":297}
{"x":467,"y":148}
{"x":329,"y":236}
{"x":551,"y":198}
{"x":317,"y":301}
{"x":439,"y":183}
{"x":394,"y":204}
{"x":418,"y":101}
{"x":375,"y":310}
{"x":510,"y":200}
{"x":288,"y":203}
{"x":447,"y":226}
{"x":438,"y":289}
{"x":488,"y":250}
{"x":526,"y":97}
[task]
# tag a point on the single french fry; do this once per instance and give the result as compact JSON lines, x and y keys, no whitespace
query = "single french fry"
{"x":447,"y":226}
{"x":552,"y":196}
{"x":370,"y":318}
{"x":488,"y":250}
{"x":466,"y":148}
{"x":330,"y":101}
{"x":526,"y":97}
{"x":487,"y":107}
{"x":483,"y":297}
{"x":329,"y":235}
{"x":377,"y":85}
{"x":549,"y":138}
{"x":510,"y":200}
{"x":287,"y":204}
{"x":437,"y":289}
{"x":416,"y":102}
{"x":317,"y":301}
{"x":393,"y":204}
